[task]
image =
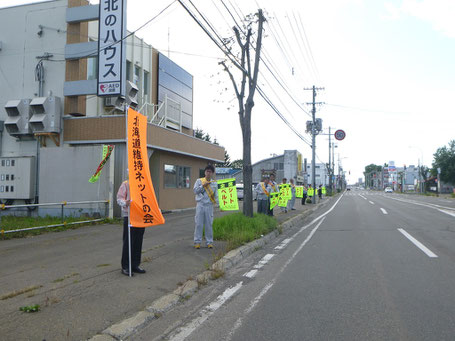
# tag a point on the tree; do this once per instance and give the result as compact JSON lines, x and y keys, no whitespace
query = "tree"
{"x":371,"y":169}
{"x":237,"y":164}
{"x":249,"y":76}
{"x":444,"y":158}
{"x":227,"y":161}
{"x":199,"y":133}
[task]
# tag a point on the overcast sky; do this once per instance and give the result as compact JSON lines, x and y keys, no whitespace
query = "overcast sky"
{"x":387,"y":68}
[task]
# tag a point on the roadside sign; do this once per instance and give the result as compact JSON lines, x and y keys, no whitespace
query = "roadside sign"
{"x":340,"y":134}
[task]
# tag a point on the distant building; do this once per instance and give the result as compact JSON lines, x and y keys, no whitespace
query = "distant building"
{"x":288,"y":165}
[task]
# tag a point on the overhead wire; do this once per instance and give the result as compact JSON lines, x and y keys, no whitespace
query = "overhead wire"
{"x":262,"y":93}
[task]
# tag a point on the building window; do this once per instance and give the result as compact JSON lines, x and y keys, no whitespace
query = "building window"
{"x":146,"y":87}
{"x":6,"y":188}
{"x":201,"y":173}
{"x":7,"y":177}
{"x":170,"y":176}
{"x":13,"y":162}
{"x":278,"y":165}
{"x":92,"y":68}
{"x":136,"y":75}
{"x":128,"y":70}
{"x":177,"y":176}
{"x":12,"y":188}
{"x":2,"y":177}
{"x":7,"y":163}
{"x":184,"y":177}
{"x":12,"y":177}
{"x":3,"y":163}
{"x":2,"y":188}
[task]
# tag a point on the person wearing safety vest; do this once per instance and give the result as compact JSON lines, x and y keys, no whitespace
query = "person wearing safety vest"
{"x":273,"y":189}
{"x":320,"y":192}
{"x":206,"y":194}
{"x":283,"y":182}
{"x":304,"y":195}
{"x":263,"y":193}
{"x":291,"y":202}
{"x":310,"y":191}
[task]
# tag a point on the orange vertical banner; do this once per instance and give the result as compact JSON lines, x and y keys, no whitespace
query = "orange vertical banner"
{"x":144,"y":210}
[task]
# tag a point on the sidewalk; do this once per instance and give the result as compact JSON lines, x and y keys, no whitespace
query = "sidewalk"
{"x":75,"y":276}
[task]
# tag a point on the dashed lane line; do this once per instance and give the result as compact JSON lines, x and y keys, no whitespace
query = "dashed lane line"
{"x":422,"y":247}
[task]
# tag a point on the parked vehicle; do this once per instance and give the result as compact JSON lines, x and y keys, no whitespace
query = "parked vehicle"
{"x":388,"y":190}
{"x":239,"y":191}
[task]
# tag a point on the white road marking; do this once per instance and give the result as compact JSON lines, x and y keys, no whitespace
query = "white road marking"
{"x":362,"y":196}
{"x":425,"y":204}
{"x":372,"y":203}
{"x":418,"y":244}
{"x":256,"y":300}
{"x":383,"y":211}
{"x":264,"y":260}
{"x":283,"y":244}
{"x":251,"y":273}
{"x":209,"y":310}
{"x":452,"y":213}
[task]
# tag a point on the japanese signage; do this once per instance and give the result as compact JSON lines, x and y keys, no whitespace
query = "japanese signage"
{"x":283,"y":201}
{"x":144,"y":210}
{"x":286,"y":191}
{"x":227,"y":195}
{"x":299,"y":191}
{"x":111,"y":54}
{"x":107,"y":150}
{"x":310,"y":192}
{"x":274,"y":198}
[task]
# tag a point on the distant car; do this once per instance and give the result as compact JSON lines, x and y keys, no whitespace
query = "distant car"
{"x":239,"y":191}
{"x":388,"y":190}
{"x":348,"y":188}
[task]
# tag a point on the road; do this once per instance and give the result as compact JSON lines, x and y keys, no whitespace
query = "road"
{"x":370,"y":266}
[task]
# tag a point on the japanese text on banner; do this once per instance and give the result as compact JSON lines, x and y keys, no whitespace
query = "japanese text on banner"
{"x":144,"y":210}
{"x":299,"y":191}
{"x":274,"y":198}
{"x":227,"y":195}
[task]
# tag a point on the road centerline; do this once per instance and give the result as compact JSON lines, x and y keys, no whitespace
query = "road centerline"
{"x":383,"y":211}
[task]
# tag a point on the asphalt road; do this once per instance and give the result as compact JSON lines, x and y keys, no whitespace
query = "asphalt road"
{"x":373,"y":266}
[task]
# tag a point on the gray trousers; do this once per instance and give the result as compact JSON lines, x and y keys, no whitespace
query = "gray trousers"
{"x":204,"y":217}
{"x":262,"y":206}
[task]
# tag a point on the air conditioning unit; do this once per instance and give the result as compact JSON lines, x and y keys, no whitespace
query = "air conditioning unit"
{"x":114,"y":102}
{"x":46,"y":114}
{"x":17,"y":122}
{"x":131,"y":94}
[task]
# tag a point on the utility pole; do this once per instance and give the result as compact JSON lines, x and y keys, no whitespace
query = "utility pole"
{"x":330,"y":165}
{"x":314,"y":131}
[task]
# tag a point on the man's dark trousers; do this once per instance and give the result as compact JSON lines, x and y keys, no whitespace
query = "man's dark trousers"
{"x":137,"y":235}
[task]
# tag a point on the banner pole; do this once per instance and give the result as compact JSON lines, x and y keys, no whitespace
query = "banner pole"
{"x":129,"y":190}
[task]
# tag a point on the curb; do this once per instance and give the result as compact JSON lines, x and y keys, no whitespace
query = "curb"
{"x":135,"y":323}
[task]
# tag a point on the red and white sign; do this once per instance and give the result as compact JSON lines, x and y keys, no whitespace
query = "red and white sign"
{"x":340,"y":134}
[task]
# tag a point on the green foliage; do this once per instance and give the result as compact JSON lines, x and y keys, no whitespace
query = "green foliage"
{"x":444,"y":158}
{"x":238,"y":229}
{"x":237,"y":164}
{"x":30,"y":308}
{"x":309,"y":200}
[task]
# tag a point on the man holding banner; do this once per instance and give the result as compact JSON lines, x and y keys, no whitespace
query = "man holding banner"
{"x":206,"y":192}
{"x":137,"y":234}
{"x":263,"y":193}
{"x":274,"y":189}
{"x":137,"y":196}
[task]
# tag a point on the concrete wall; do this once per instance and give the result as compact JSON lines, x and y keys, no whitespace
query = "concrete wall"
{"x":64,"y":177}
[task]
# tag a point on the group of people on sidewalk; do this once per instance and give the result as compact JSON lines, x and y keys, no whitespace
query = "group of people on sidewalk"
{"x":268,"y":186}
{"x":206,"y":194}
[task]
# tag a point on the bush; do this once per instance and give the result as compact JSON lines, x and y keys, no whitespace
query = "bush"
{"x":238,"y":229}
{"x":309,"y":201}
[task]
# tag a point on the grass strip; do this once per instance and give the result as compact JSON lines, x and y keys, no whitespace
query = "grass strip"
{"x":237,"y":229}
{"x":11,"y":223}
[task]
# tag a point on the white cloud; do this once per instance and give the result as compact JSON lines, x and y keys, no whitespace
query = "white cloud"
{"x":439,"y":13}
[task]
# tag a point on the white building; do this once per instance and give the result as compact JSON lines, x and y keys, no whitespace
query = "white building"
{"x":55,"y":125}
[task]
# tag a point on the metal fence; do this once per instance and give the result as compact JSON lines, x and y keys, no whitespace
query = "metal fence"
{"x":63,"y":205}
